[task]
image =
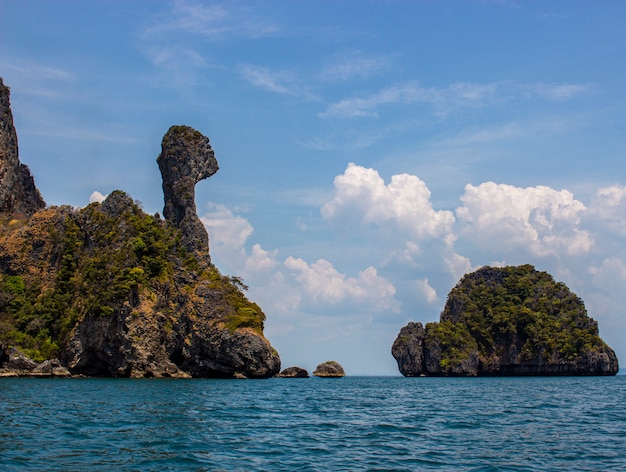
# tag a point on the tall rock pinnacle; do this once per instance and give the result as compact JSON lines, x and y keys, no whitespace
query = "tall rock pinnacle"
{"x":18,"y":195}
{"x":186,"y":158}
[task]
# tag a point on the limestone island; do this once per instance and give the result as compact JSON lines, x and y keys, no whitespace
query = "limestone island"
{"x":329,"y":369}
{"x":506,"y":321}
{"x":108,"y":290}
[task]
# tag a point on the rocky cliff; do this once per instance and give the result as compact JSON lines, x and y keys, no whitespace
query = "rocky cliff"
{"x":112,"y":291}
{"x":186,"y":158}
{"x":506,"y":321}
{"x":18,"y":194}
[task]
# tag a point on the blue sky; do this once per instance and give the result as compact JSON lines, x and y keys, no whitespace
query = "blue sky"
{"x":371,"y":152}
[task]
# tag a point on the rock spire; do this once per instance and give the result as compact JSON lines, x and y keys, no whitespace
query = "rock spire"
{"x":18,"y":195}
{"x":186,"y":158}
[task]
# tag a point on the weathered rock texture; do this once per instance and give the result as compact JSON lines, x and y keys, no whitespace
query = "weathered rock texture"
{"x":112,"y":291}
{"x":186,"y":158}
{"x":506,"y":321}
{"x":19,"y":198}
{"x":329,"y":369}
{"x":294,"y":372}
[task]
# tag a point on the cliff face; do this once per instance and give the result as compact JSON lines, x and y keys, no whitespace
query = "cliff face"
{"x":113,"y":291}
{"x":506,"y":321}
{"x":19,"y":197}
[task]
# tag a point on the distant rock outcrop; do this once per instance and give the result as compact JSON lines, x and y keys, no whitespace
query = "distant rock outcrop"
{"x":294,"y":372}
{"x":19,"y":198}
{"x":506,"y":321}
{"x":112,"y":291}
{"x":329,"y":369}
{"x":186,"y":158}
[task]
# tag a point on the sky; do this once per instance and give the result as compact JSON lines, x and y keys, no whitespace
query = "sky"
{"x":370,"y":152}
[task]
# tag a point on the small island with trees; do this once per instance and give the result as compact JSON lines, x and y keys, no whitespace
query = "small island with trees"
{"x":506,"y":321}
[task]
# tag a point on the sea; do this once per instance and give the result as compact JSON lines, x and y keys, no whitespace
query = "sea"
{"x":314,"y":424}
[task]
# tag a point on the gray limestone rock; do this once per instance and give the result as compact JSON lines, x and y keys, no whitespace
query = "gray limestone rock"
{"x":186,"y":158}
{"x":19,"y":197}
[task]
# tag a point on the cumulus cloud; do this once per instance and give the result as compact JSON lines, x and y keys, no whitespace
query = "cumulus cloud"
{"x":540,"y":219}
{"x":609,"y":275}
{"x":97,"y":197}
{"x":609,"y":206}
{"x":228,"y":234}
{"x":361,"y":193}
{"x":428,"y":292}
{"x":319,"y":283}
{"x":261,"y":260}
{"x":327,"y":285}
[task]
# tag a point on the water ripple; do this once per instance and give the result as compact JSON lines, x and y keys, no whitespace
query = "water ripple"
{"x":495,"y":424}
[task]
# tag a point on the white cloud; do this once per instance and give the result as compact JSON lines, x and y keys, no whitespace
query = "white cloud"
{"x":228,"y":234}
{"x":210,"y":21}
{"x":97,"y":197}
{"x":457,"y":265}
{"x":609,"y":206}
{"x":261,"y":260}
{"x":429,"y":293}
{"x":609,"y":275}
{"x":456,"y":96}
{"x":541,"y":220}
{"x":325,"y":284}
{"x":362,"y":195}
{"x":319,"y":282}
{"x":555,"y":92}
{"x":368,"y":106}
{"x":273,"y":81}
{"x":173,"y":57}
{"x":354,"y":65}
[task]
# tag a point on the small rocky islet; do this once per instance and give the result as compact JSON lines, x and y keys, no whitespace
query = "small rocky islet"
{"x":329,"y":369}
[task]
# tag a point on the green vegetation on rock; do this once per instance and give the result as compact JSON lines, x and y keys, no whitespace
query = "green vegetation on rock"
{"x":507,"y":321}
{"x":106,"y":257}
{"x":519,"y":305}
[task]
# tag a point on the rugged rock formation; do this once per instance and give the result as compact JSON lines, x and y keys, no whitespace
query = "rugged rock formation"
{"x":186,"y":158}
{"x":329,"y":369}
{"x":294,"y":372}
{"x":112,"y":291}
{"x":408,"y":350}
{"x":14,"y":363}
{"x":506,"y":321}
{"x":19,"y":198}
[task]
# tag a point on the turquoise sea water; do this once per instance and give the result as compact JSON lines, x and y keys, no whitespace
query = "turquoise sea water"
{"x":352,"y":423}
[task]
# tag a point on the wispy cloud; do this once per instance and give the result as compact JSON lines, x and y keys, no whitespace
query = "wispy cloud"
{"x":210,"y":21}
{"x":369,"y":105}
{"x":36,"y":78}
{"x":283,"y":82}
{"x":354,"y":65}
{"x":456,"y":96}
